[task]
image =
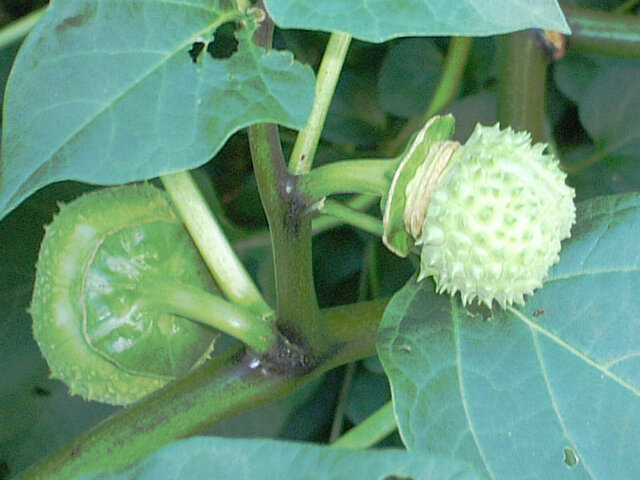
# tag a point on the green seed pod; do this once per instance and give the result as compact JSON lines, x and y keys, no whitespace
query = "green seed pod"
{"x":496,"y":218}
{"x":94,"y":314}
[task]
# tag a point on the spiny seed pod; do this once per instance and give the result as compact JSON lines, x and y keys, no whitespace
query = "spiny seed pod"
{"x":95,"y":319}
{"x":496,"y":218}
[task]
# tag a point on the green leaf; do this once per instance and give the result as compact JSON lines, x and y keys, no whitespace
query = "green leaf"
{"x":355,"y":117}
{"x":369,"y":391}
{"x":380,"y":20}
{"x":574,"y":73}
{"x":202,"y":457}
{"x":609,"y":115}
{"x":38,"y":415}
{"x":408,"y":76}
{"x":107,"y":91}
{"x":610,"y":109}
{"x":548,"y":390}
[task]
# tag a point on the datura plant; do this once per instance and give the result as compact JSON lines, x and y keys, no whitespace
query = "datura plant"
{"x":488,"y":216}
{"x":121,"y":292}
{"x":401,"y":271}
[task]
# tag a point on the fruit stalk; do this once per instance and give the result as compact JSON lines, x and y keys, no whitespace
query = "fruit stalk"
{"x":209,"y":309}
{"x":229,"y":272}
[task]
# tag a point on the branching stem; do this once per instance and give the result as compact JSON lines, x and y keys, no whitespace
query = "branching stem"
{"x":304,"y":149}
{"x":230,"y":274}
{"x":228,"y":384}
{"x":371,"y":431}
{"x":209,"y":309}
{"x":290,"y":229}
{"x":353,"y":217}
{"x":350,"y":176}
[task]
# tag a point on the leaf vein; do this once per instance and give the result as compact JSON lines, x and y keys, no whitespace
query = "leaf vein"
{"x":463,"y":397}
{"x":557,"y":340}
{"x":144,"y":75}
{"x":554,"y":403}
{"x":585,"y":273}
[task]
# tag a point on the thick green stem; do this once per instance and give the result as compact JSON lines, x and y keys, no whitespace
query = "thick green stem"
{"x":349,"y":176}
{"x":371,"y":431}
{"x":353,"y":329}
{"x":596,"y":31}
{"x":230,"y":274}
{"x":209,"y":309}
{"x":353,"y":217}
{"x":218,"y":390}
{"x":231,"y":383}
{"x":522,"y":65}
{"x":446,"y":91}
{"x":290,"y":228}
{"x":304,"y":149}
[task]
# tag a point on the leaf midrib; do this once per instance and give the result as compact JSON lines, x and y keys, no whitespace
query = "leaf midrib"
{"x":554,"y":403}
{"x":573,"y":350}
{"x":586,"y":273}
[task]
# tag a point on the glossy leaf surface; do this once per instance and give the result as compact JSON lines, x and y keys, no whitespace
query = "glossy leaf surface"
{"x":268,"y":459}
{"x":549,"y":390}
{"x":115,"y":91}
{"x":380,"y":20}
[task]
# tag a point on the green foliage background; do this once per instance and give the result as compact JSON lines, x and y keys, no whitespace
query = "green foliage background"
{"x":559,"y":374}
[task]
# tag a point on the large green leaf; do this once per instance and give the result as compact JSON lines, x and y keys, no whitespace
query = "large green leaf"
{"x":611,"y":114}
{"x":380,"y":20}
{"x":408,"y":76}
{"x":208,"y":457}
{"x":548,"y":390}
{"x":107,"y":91}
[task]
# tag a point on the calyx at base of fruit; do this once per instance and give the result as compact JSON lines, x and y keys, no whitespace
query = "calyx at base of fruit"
{"x":417,"y":156}
{"x":423,"y":183}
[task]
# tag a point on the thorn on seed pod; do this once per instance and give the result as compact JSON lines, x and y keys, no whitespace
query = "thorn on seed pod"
{"x":495,"y":218}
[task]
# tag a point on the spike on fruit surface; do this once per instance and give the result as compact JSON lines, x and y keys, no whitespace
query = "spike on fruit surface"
{"x":496,"y":218}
